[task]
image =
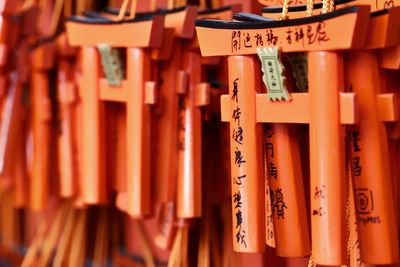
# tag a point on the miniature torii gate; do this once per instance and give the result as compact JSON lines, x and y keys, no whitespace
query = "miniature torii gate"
{"x":189,"y":198}
{"x":136,"y":91}
{"x":284,"y":174}
{"x":325,"y":108}
{"x":179,"y":25}
{"x":373,"y":202}
{"x":183,"y":96}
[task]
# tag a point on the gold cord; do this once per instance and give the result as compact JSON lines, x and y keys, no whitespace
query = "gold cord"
{"x":331,"y":5}
{"x":325,"y":6}
{"x":122,"y":11}
{"x":285,"y":9}
{"x":311,"y":262}
{"x":310,"y":7}
{"x":133,"y":9}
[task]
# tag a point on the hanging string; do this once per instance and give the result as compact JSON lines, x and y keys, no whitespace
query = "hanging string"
{"x":50,"y":241}
{"x":328,"y":6}
{"x":78,"y":245}
{"x":325,"y":6}
{"x":175,"y":256}
{"x":311,"y":261}
{"x":285,"y":9}
{"x":310,"y":7}
{"x":124,"y":7}
{"x":348,"y":199}
{"x":65,"y":239}
{"x":122,"y":11}
{"x":34,"y":247}
{"x":132,"y":14}
{"x":179,"y":252}
{"x":331,"y":5}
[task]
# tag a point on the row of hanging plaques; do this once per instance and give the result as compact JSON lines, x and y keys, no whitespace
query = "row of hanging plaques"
{"x":127,"y":110}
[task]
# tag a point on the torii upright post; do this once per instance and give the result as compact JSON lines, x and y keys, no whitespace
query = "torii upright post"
{"x":325,"y":108}
{"x":370,"y":160}
{"x":68,"y":138}
{"x":179,"y":23}
{"x":42,"y":62}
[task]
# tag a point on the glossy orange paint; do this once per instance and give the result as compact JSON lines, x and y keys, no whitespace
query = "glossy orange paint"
{"x":42,"y":61}
{"x":370,"y":159}
{"x":325,"y":119}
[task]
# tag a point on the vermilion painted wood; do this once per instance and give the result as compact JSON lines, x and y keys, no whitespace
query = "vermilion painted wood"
{"x":68,"y":97}
{"x":384,"y":105}
{"x":93,"y":182}
{"x":327,"y":158}
{"x":370,"y":158}
{"x":218,"y":41}
{"x":286,"y":215}
{"x":290,"y":228}
{"x":135,"y":91}
{"x":325,"y":119}
{"x":189,"y":134}
{"x":117,"y":34}
{"x":138,"y":133}
{"x":180,"y":28}
{"x":42,"y":61}
{"x":246,"y":159}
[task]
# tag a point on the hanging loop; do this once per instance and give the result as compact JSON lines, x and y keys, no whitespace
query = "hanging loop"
{"x":124,"y":7}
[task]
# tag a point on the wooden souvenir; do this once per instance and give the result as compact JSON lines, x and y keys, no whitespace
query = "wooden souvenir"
{"x":326,"y":118}
{"x":174,"y":83}
{"x":135,"y":90}
{"x":283,"y":173}
{"x":372,"y":179}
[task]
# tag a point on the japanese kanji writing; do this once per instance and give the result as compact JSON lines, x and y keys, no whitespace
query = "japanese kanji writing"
{"x":303,"y":35}
{"x":238,"y":136}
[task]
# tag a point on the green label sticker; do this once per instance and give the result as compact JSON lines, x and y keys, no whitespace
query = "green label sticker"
{"x":111,"y":63}
{"x":273,"y":69}
{"x":299,"y":64}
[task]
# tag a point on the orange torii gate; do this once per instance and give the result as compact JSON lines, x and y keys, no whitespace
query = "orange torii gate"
{"x":325,"y":108}
{"x":136,"y":90}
